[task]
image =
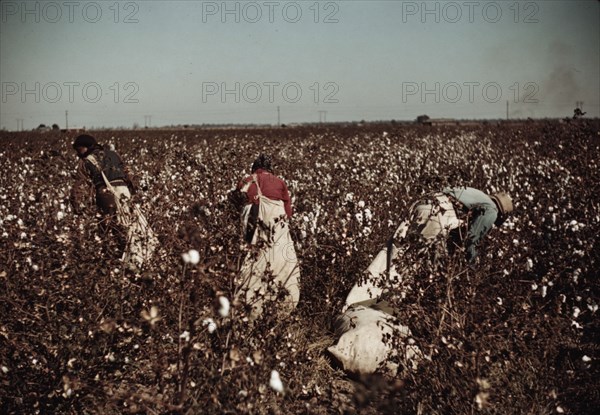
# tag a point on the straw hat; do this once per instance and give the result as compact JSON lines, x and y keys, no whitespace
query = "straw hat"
{"x":503,"y":201}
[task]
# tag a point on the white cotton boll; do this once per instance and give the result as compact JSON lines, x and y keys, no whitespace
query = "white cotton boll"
{"x":586,"y":358}
{"x":576,"y":312}
{"x":361,"y":204}
{"x":576,"y":274}
{"x":534,"y":286}
{"x":224,"y":309}
{"x":529,"y":264}
{"x":185,"y":336}
{"x":191,"y":257}
{"x":349,"y":197}
{"x":60,"y":215}
{"x":593,"y":307}
{"x":210,"y":324}
{"x":544,"y":291}
{"x":275,"y":382}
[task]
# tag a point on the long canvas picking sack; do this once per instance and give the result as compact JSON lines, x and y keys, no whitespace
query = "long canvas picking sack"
{"x":141,"y":241}
{"x":278,"y":255}
{"x":380,"y":273}
{"x":366,"y":326}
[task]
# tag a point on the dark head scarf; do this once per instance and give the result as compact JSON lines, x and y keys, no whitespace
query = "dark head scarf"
{"x":262,"y":162}
{"x":85,"y":140}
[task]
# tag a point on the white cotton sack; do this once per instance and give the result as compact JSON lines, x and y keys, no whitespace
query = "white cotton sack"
{"x":371,"y":287}
{"x":377,"y":276}
{"x":361,"y":348}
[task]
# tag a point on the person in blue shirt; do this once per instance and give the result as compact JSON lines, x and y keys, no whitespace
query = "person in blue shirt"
{"x":485,"y":211}
{"x":453,"y":207}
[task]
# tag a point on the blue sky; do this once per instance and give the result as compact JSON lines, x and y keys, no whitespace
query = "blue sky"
{"x":160,"y":63}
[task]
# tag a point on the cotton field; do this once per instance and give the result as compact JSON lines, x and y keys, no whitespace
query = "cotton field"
{"x":517,"y":333}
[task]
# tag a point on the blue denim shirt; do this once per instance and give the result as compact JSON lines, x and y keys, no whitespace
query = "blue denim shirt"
{"x":484,"y":212}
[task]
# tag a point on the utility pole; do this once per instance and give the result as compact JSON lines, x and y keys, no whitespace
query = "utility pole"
{"x":579,"y":104}
{"x":278,"y":117}
{"x":507,"y":110}
{"x":147,"y":120}
{"x":66,"y":120}
{"x":322,"y":116}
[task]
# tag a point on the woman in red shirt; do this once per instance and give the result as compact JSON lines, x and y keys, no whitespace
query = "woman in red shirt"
{"x":271,"y":187}
{"x":265,"y":223}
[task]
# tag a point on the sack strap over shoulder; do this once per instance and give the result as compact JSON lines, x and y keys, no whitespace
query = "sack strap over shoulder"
{"x":120,"y":208}
{"x":95,"y":162}
{"x":255,"y":179}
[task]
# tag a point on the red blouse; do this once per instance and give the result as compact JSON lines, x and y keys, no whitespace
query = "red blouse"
{"x":271,"y":186}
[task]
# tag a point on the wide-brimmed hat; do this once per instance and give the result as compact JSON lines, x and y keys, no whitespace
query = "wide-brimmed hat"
{"x":503,"y":201}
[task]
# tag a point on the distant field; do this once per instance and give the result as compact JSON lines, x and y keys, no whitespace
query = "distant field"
{"x":518,"y":335}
